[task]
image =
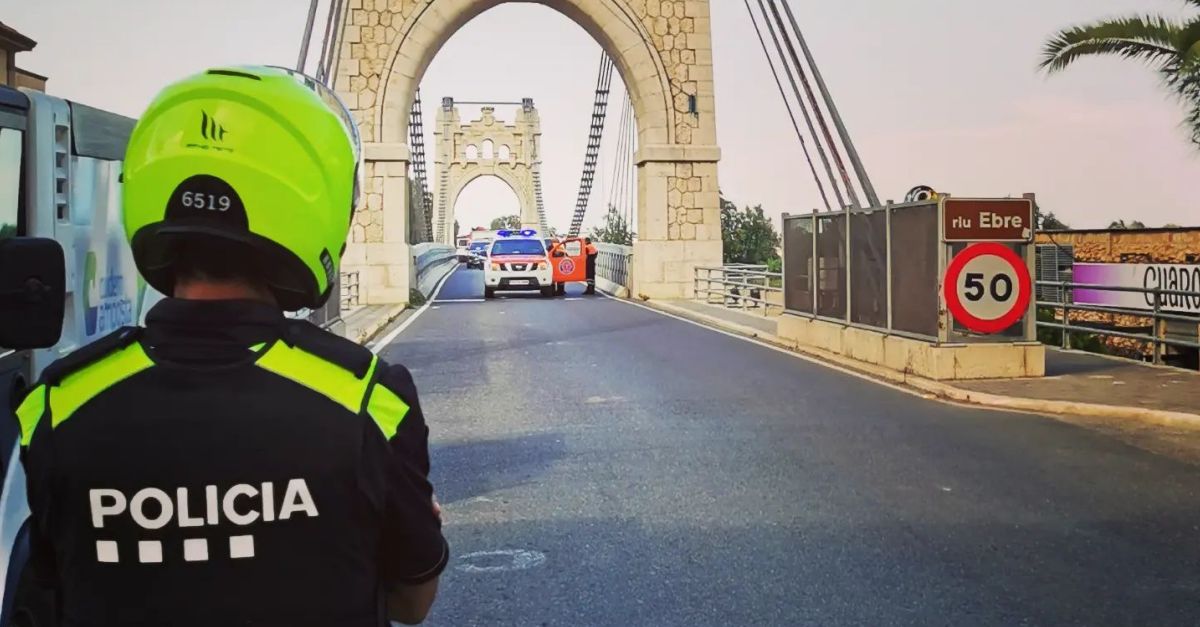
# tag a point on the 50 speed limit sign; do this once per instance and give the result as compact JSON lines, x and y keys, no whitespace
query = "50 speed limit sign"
{"x":987,"y":287}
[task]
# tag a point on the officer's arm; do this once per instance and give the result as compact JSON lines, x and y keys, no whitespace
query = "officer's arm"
{"x":414,"y":552}
{"x":41,"y":564}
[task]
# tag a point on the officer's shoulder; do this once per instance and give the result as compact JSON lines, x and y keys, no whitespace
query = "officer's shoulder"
{"x":90,"y":354}
{"x":329,"y":346}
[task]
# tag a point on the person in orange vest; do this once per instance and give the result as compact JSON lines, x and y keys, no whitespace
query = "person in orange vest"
{"x":592,"y":253}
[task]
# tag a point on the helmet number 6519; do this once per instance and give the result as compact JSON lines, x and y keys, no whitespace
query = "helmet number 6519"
{"x":211,"y":202}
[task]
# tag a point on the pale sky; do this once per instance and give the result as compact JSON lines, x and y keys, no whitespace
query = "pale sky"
{"x":937,"y":92}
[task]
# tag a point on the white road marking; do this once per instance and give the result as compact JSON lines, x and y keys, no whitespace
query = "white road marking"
{"x":387,"y":339}
{"x":518,"y":559}
{"x":459,"y":300}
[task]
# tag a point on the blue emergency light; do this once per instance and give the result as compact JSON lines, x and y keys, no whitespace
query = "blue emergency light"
{"x":523,"y":233}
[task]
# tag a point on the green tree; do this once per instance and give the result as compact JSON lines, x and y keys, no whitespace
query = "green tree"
{"x":748,"y":235}
{"x":506,"y":222}
{"x":615,"y":229}
{"x":1169,"y":46}
{"x":1050,"y":222}
{"x":1121,"y":224}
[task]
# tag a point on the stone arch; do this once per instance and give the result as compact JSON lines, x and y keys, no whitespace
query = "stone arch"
{"x":663,"y":52}
{"x":455,"y":168}
{"x":467,"y":175}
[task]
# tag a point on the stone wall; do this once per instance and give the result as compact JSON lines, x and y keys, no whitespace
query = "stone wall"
{"x":1130,"y":246}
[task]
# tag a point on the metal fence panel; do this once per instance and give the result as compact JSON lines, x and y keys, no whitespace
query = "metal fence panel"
{"x":798,"y":259}
{"x":914,"y":260}
{"x":613,"y":262}
{"x":831,"y":266}
{"x":868,"y":269}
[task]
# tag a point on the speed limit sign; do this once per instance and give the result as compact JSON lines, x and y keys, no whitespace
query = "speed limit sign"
{"x":987,"y":287}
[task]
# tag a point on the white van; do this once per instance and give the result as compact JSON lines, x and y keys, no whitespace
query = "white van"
{"x":60,"y":181}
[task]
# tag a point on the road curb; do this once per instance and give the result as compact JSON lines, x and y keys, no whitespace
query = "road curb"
{"x":940,"y":389}
{"x":368,"y":331}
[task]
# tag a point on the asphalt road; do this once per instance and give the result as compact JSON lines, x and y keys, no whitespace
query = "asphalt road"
{"x":602,"y":464}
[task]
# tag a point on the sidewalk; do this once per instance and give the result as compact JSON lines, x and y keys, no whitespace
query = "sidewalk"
{"x":1075,"y":383}
{"x":365,"y":321}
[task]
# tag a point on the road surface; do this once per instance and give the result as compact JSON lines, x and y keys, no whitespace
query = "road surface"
{"x":603,"y":464}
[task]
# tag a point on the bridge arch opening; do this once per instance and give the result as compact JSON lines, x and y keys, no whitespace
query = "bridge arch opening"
{"x":483,"y":198}
{"x":660,"y":48}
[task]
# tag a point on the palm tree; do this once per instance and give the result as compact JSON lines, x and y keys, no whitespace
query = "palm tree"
{"x":1169,"y":46}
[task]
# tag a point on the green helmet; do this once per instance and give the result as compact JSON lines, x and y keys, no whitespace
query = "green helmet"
{"x":261,"y":156}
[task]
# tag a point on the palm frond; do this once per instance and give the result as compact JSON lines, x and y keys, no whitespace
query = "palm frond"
{"x":1192,"y":120}
{"x":1147,"y":38}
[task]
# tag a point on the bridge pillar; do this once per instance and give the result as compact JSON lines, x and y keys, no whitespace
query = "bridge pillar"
{"x":679,"y":220}
{"x":378,"y":249}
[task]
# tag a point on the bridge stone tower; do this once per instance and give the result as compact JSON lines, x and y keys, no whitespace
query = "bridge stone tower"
{"x":663,"y":51}
{"x":485,"y":147}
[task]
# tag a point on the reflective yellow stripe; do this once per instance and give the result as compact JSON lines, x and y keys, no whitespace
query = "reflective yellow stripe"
{"x":327,"y":378}
{"x":80,"y":387}
{"x":387,"y":409}
{"x":30,"y":412}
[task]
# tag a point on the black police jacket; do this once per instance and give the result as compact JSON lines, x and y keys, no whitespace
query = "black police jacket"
{"x":227,"y":466}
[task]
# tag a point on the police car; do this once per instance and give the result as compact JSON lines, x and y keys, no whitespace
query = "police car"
{"x":517,"y":260}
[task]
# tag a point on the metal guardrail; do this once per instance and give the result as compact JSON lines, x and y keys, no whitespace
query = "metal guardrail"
{"x":1158,"y":338}
{"x":741,"y":286}
{"x":613,"y":262}
{"x":349,"y":285}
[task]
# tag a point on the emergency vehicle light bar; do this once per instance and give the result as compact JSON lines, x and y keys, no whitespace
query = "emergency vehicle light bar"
{"x":523,"y":233}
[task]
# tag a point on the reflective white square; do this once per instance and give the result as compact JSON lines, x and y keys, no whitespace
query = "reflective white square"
{"x":195,"y":550}
{"x":241,"y":546}
{"x":106,"y":552}
{"x":149,"y":551}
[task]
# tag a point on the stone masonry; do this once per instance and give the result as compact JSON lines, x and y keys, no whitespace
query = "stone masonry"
{"x":485,"y":147}
{"x":663,"y":51}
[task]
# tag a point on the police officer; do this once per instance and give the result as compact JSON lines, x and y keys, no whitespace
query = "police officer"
{"x":227,"y":465}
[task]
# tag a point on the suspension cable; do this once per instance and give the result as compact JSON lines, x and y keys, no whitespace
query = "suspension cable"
{"x":332,"y":22}
{"x":788,"y":105}
{"x":812,"y":130}
{"x":416,"y":140}
{"x":595,"y":133}
{"x":630,"y":168}
{"x":618,"y":201}
{"x":837,"y":157}
{"x":847,"y":142}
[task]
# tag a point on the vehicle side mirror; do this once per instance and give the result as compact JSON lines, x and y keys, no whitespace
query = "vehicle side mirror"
{"x":33,"y":282}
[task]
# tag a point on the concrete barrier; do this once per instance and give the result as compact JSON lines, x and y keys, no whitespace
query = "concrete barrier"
{"x":939,"y":362}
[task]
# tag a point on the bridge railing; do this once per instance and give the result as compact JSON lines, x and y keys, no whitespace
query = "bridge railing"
{"x":349,"y":290}
{"x":429,"y":260}
{"x":1167,"y":328}
{"x":613,"y":263}
{"x":329,"y":315}
{"x":740,"y":286}
{"x":842,"y":267}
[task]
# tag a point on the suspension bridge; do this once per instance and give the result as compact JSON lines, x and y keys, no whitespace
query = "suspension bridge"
{"x":715,"y":444}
